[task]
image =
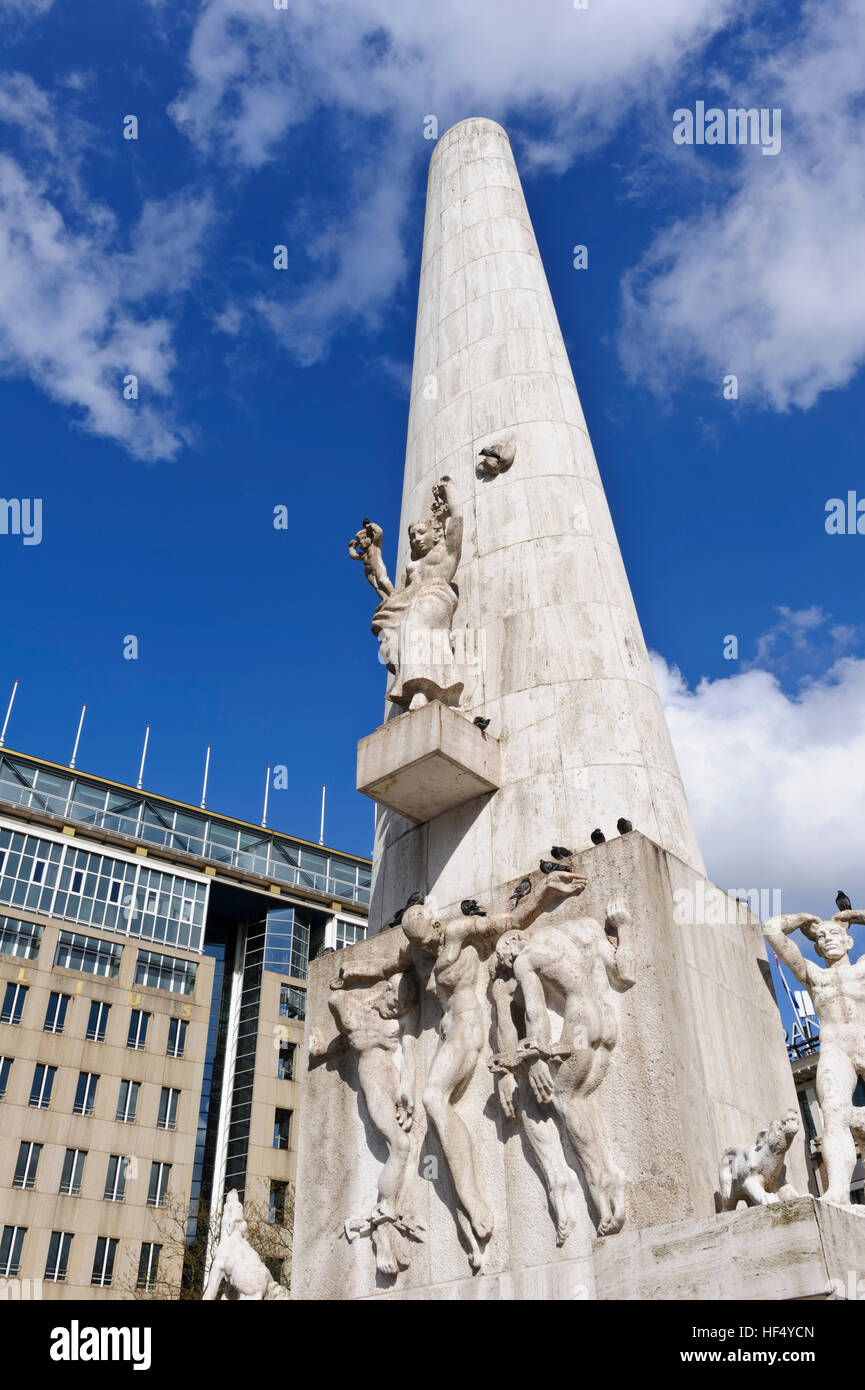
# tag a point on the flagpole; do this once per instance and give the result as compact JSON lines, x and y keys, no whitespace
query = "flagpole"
{"x":321,"y":832}
{"x":8,"y":712}
{"x":206,"y":771}
{"x":77,"y":737}
{"x":266,"y":791}
{"x":143,"y":756}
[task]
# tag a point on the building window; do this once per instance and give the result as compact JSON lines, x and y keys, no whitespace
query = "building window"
{"x":43,"y":1085}
{"x":148,"y":1265}
{"x":292,"y":1002}
{"x":127,"y":1102}
{"x":137,"y":1030}
{"x":13,"y":1003}
{"x":55,"y":1017}
{"x":115,"y":1178}
{"x":168,"y":1108}
{"x":19,"y":938}
{"x":28,"y":1162}
{"x":176,"y":1037}
{"x":5,"y":1068}
{"x":103,"y":1262}
{"x":281,"y":1129}
{"x":159,"y":1173}
{"x":88,"y":954}
{"x":85,"y":1093}
{"x":98,"y":1021}
{"x":58,"y":1256}
{"x":285,"y":1061}
{"x":73,"y":1172}
{"x":165,"y":972}
{"x":347,"y":933}
{"x":11,"y":1242}
{"x":277,"y":1204}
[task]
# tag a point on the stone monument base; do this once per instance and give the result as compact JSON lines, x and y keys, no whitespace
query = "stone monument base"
{"x":790,"y":1250}
{"x":804,"y":1249}
{"x":700,"y":1064}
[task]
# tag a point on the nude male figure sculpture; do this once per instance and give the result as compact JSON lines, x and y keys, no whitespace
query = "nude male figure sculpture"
{"x":579,"y":963}
{"x":377,"y":1025}
{"x":838,"y":993}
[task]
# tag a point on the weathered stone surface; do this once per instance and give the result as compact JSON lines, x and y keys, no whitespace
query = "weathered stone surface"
{"x":799,"y":1249}
{"x":426,"y":762}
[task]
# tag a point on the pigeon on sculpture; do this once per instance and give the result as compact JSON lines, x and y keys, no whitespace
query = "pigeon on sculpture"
{"x":559,"y":852}
{"x":469,"y":908}
{"x":623,"y":826}
{"x":523,"y":888}
{"x":481,"y":722}
{"x":495,"y":458}
{"x":598,"y":837}
{"x":842,"y":902}
{"x":413,"y":901}
{"x":548,"y":866}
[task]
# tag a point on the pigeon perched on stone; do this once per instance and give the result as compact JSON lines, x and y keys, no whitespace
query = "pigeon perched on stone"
{"x":490,"y":454}
{"x":523,"y":888}
{"x":413,"y":901}
{"x":481,"y":722}
{"x":623,"y":826}
{"x":597,"y":837}
{"x":559,"y":852}
{"x":842,"y":902}
{"x":469,"y":908}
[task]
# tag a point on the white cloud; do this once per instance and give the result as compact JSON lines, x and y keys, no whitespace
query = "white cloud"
{"x":25,"y":9}
{"x":376,"y":68}
{"x":769,"y":282}
{"x":774,"y":780}
{"x":75,"y":313}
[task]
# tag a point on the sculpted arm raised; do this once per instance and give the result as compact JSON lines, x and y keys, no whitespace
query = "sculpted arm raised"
{"x":777,"y":931}
{"x":561,"y":884}
{"x":445,"y":507}
{"x":618,"y":945}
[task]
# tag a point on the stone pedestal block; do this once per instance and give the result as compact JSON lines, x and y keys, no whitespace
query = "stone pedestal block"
{"x":427,"y":761}
{"x":801,"y":1249}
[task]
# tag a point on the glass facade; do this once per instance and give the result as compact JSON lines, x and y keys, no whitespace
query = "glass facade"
{"x":99,"y":890}
{"x":287,"y":939}
{"x":171,"y":827}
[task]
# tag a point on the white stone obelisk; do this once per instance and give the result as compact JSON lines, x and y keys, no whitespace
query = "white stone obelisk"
{"x":561,"y":668}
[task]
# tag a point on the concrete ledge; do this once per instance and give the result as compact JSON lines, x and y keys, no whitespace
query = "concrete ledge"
{"x":801,"y":1249}
{"x":427,"y":761}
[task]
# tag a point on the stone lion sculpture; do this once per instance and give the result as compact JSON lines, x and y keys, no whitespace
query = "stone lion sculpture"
{"x":757,"y":1175}
{"x":246,"y":1276}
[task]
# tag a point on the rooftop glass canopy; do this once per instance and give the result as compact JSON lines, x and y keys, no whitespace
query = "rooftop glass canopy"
{"x":104,"y":805}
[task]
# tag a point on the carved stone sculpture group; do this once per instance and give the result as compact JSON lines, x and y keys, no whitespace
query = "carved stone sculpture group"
{"x":511,"y":971}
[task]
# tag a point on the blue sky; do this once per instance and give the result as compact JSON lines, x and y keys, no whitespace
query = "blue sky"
{"x":258,"y":388}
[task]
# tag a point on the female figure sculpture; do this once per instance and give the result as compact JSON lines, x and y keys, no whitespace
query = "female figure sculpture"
{"x":413,"y":623}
